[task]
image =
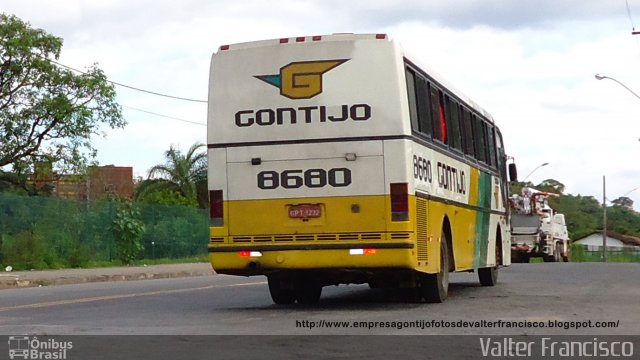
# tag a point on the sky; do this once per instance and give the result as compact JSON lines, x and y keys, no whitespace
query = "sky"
{"x":530,"y":63}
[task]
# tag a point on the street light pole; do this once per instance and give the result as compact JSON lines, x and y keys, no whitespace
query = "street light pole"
{"x":532,"y":171}
{"x":604,"y":196}
{"x":600,"y":77}
{"x":630,"y":191}
{"x":604,"y":220}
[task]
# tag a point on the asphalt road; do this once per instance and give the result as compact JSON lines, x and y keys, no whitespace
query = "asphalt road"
{"x":575,"y":297}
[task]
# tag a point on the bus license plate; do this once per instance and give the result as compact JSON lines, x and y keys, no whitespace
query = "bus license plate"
{"x":304,"y":211}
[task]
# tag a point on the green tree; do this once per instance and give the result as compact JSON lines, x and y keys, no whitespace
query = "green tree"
{"x":551,"y":185}
{"x":624,"y":202}
{"x":583,"y":214}
{"x":47,"y":112}
{"x":128,"y":229}
{"x":184,"y":175}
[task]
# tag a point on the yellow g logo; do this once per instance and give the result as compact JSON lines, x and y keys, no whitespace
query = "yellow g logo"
{"x":301,"y":80}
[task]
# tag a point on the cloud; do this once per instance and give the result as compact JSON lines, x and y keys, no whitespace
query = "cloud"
{"x":531,"y":64}
{"x":467,"y":14}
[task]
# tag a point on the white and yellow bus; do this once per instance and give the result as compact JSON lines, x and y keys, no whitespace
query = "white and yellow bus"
{"x":337,"y":159}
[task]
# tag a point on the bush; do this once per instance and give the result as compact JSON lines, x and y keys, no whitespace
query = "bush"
{"x":45,"y":232}
{"x":128,"y":230}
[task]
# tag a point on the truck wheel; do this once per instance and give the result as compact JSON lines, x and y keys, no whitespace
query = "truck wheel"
{"x":435,"y":287}
{"x":281,"y":290}
{"x":558,"y":253}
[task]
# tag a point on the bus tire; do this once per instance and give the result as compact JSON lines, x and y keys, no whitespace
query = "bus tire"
{"x":435,"y":287}
{"x":489,"y":276}
{"x":413,"y":295}
{"x":281,"y":294}
{"x":308,"y":293}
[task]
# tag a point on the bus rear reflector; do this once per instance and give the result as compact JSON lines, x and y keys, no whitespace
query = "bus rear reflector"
{"x":399,"y":202}
{"x":216,"y":207}
{"x":245,"y":253}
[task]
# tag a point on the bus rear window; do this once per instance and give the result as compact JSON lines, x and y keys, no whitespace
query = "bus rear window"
{"x":411,"y":93}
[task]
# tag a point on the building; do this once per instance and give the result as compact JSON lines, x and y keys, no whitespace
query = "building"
{"x":110,"y":181}
{"x":99,"y":183}
{"x":615,"y":241}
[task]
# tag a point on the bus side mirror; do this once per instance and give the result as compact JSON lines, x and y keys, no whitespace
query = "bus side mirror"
{"x":513,"y":172}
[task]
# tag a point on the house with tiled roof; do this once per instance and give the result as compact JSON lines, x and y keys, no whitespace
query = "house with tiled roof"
{"x":614,"y":240}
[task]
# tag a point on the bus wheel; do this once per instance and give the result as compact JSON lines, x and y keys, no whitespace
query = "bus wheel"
{"x":415,"y":293}
{"x":308,"y":293}
{"x":281,"y":290}
{"x":435,"y":287}
{"x":489,"y":276}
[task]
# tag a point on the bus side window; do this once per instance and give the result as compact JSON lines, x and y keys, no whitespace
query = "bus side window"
{"x":468,"y":133}
{"x":438,"y":115}
{"x":411,"y":93}
{"x":423,"y":106}
{"x":453,"y":123}
{"x":502,"y":158}
{"x":435,"y":112}
{"x":491,"y":146}
{"x":442,"y":117}
{"x":478,"y":132}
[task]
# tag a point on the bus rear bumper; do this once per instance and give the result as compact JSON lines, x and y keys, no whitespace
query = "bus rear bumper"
{"x":263,"y":260}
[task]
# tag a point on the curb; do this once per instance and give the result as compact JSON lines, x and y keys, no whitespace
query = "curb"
{"x":25,"y":279}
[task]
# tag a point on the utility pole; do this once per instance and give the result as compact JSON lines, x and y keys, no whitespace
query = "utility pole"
{"x":604,"y":220}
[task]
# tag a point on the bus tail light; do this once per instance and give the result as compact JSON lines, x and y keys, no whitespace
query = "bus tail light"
{"x":216,"y":207}
{"x":399,"y":202}
{"x":368,"y":251}
{"x":246,"y":253}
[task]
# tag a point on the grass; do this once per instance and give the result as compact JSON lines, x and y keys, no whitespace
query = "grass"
{"x":580,"y":254}
{"x":142,"y":262}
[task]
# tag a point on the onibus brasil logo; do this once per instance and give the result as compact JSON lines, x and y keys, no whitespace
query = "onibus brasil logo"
{"x":32,"y":348}
{"x":301,"y":80}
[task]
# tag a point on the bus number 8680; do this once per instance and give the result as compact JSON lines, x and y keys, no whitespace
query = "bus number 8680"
{"x":312,"y":178}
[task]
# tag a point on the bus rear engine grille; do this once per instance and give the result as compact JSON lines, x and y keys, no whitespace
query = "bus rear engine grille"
{"x":401,"y":236}
{"x":319,"y":237}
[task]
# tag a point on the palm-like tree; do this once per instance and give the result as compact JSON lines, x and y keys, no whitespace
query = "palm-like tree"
{"x":184,"y":174}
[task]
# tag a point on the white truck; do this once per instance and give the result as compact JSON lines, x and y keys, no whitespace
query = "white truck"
{"x":536,"y":229}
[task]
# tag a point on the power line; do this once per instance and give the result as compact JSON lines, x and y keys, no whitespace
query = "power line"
{"x":633,"y":27}
{"x":164,"y":116}
{"x":128,"y":86}
{"x":137,"y":89}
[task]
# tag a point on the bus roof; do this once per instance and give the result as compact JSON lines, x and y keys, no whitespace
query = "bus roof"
{"x":302,"y":39}
{"x":354,"y":37}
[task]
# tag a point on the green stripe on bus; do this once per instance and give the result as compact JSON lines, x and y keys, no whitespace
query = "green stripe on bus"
{"x":482,"y":220}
